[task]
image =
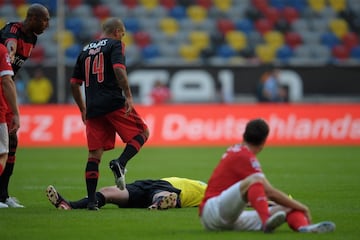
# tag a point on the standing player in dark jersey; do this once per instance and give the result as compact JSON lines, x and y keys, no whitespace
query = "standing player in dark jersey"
{"x":109,"y":105}
{"x":20,"y":38}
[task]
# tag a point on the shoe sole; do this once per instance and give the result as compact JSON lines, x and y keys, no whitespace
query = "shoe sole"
{"x":322,"y":227}
{"x":275,"y":221}
{"x":165,"y":202}
{"x":55,"y":199}
{"x":52,"y":195}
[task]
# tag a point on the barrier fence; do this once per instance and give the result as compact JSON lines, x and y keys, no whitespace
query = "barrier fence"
{"x":203,"y":125}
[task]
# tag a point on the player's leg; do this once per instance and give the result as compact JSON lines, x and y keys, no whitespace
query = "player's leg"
{"x":56,"y":199}
{"x":134,"y":132}
{"x":7,"y":173}
{"x":253,"y":190}
{"x":221,"y":212}
{"x":115,"y":196}
{"x":92,"y":176}
{"x":100,"y":137}
{"x":4,"y":146}
{"x":298,"y":222}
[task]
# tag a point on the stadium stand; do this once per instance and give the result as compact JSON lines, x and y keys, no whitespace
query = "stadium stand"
{"x":191,"y":30}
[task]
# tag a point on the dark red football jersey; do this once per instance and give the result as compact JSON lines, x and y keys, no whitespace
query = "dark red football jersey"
{"x":5,"y":69}
{"x":94,"y":68}
{"x":237,"y":163}
{"x":25,"y":43}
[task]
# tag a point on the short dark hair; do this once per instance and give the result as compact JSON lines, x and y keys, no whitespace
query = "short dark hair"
{"x":256,"y":132}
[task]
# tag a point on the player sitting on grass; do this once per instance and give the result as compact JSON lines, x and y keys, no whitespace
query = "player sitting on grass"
{"x":172,"y":192}
{"x":238,"y":180}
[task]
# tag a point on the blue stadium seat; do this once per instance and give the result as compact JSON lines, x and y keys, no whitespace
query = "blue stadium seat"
{"x":178,"y":12}
{"x":74,"y":25}
{"x":72,"y":52}
{"x":244,"y":25}
{"x":151,"y":51}
{"x":355,"y":52}
{"x":132,"y":25}
{"x":284,"y":53}
{"x":329,"y":39}
{"x":225,"y":51}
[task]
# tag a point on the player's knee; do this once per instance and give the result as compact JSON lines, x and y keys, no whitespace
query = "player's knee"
{"x":146,"y":134}
{"x":256,"y":178}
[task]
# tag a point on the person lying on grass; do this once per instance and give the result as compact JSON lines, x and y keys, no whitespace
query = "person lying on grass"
{"x":171,"y":192}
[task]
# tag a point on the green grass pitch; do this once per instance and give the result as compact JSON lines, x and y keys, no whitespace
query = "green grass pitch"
{"x":325,"y":178}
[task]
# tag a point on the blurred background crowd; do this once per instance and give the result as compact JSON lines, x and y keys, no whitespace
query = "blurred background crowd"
{"x":203,"y":32}
{"x":207,"y":31}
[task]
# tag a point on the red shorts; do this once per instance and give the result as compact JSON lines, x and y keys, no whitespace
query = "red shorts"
{"x":100,"y":131}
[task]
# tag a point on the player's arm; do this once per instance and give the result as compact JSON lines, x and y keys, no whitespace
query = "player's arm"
{"x":281,"y":198}
{"x":9,"y":90}
{"x":77,"y":95}
{"x":121,"y":77}
{"x":11,"y":45}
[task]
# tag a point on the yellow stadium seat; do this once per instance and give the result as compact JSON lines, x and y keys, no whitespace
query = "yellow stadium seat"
{"x":169,"y":26}
{"x":236,"y":39}
{"x":199,"y":39}
{"x":338,"y":5}
{"x":339,"y":27}
{"x":196,"y":13}
{"x":65,"y":39}
{"x":265,"y":53}
{"x":149,"y":4}
{"x":22,"y":10}
{"x":189,"y":52}
{"x":317,"y":5}
{"x":274,"y":38}
{"x":128,"y":39}
{"x":223,"y":5}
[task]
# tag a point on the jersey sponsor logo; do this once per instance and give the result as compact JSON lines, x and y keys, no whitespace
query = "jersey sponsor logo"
{"x":95,"y":45}
{"x":18,"y":61}
{"x":255,"y":164}
{"x":94,"y":51}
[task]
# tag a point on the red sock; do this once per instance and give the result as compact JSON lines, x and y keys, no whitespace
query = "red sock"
{"x":296,"y":219}
{"x":1,"y":169}
{"x":258,"y":200}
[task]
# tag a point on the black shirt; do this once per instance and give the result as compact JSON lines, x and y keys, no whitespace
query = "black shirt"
{"x":94,"y":66}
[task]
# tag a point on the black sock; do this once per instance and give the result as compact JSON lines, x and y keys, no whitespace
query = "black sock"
{"x":101,"y":199}
{"x":132,"y":148}
{"x":127,"y":154}
{"x":4,"y":181}
{"x":91,"y":177}
{"x":82,"y":203}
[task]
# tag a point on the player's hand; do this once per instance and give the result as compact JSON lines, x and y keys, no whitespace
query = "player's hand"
{"x":129,"y":105}
{"x":15,"y":124}
{"x":83,"y":116}
{"x":308,"y":214}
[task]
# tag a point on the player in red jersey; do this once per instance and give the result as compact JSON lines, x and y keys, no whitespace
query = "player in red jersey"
{"x":19,"y":38}
{"x":238,"y":180}
{"x":109,"y":105}
{"x":7,"y":98}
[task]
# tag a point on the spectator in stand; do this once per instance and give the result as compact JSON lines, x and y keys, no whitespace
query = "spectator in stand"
{"x":269,"y":89}
{"x":160,"y":94}
{"x":39,"y":88}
